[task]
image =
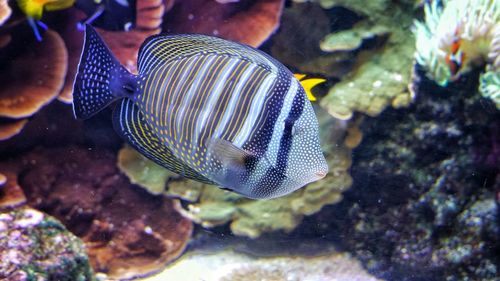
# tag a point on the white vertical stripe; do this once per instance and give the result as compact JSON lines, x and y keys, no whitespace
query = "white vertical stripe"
{"x":188,"y":97}
{"x":214,"y":96}
{"x":274,"y":144}
{"x":176,"y":91}
{"x":255,"y":109}
{"x":235,"y":94}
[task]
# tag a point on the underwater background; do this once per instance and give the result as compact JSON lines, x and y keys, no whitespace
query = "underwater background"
{"x":409,"y":125}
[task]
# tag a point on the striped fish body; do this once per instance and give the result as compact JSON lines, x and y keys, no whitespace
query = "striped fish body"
{"x":209,"y":109}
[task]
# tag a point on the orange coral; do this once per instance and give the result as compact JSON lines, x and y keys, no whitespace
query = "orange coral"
{"x":249,"y":22}
{"x":32,"y":74}
{"x":11,"y":195}
{"x":11,"y":128}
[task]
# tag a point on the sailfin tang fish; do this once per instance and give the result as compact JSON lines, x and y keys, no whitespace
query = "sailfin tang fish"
{"x":209,"y":109}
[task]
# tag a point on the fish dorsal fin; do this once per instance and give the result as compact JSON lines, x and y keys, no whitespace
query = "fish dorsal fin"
{"x":308,"y":84}
{"x":129,"y":122}
{"x":162,"y":49}
{"x":229,"y":154}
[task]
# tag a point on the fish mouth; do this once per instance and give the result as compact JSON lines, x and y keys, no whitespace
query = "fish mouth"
{"x":320,"y":174}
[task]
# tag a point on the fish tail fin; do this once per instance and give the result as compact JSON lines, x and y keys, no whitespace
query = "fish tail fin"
{"x":100,"y":79}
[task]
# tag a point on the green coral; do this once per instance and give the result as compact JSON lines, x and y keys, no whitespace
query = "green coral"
{"x":380,"y":76}
{"x":351,"y":39}
{"x":489,"y":86}
{"x":34,"y":246}
{"x":211,"y":206}
{"x":142,"y":171}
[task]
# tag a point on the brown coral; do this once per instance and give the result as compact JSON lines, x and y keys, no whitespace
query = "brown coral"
{"x":11,"y":195}
{"x":32,"y":76}
{"x":73,"y":39}
{"x":127,"y":232}
{"x":10,"y":128}
{"x":125,"y":45}
{"x":32,"y":73}
{"x":249,"y":22}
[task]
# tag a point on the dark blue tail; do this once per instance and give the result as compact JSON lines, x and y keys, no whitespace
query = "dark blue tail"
{"x":100,"y":79}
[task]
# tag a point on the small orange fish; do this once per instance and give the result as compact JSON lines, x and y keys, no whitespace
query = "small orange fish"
{"x":455,"y":58}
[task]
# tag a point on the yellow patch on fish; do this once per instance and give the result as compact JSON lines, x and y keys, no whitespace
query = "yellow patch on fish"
{"x":308,"y":84}
{"x":34,"y":8}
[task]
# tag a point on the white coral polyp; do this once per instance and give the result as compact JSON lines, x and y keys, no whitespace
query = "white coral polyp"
{"x":475,"y":24}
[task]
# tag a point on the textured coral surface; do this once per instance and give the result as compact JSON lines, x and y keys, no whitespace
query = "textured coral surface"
{"x":34,"y":246}
{"x":127,"y":231}
{"x":424,"y":202}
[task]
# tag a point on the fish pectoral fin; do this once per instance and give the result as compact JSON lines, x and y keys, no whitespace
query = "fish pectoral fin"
{"x":229,"y":154}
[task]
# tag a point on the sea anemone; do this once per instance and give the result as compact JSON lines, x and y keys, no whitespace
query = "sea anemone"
{"x":458,"y":35}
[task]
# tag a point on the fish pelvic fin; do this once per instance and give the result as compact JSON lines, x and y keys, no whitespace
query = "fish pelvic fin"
{"x":308,"y":84}
{"x":100,"y":79}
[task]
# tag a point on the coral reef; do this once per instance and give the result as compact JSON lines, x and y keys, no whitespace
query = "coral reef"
{"x":142,"y":171}
{"x":489,"y":86}
{"x":422,"y":206}
{"x":34,"y":246}
{"x":10,"y":128}
{"x":11,"y":194}
{"x":371,"y":55}
{"x":211,"y":206}
{"x":458,"y":36}
{"x":228,"y":265}
{"x":33,"y":75}
{"x":249,"y":22}
{"x":380,"y":76}
{"x":296,"y":44}
{"x":127,"y":232}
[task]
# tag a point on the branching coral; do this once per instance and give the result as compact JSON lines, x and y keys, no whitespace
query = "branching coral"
{"x":34,"y":246}
{"x":380,"y":76}
{"x":457,"y":36}
{"x":357,"y":42}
